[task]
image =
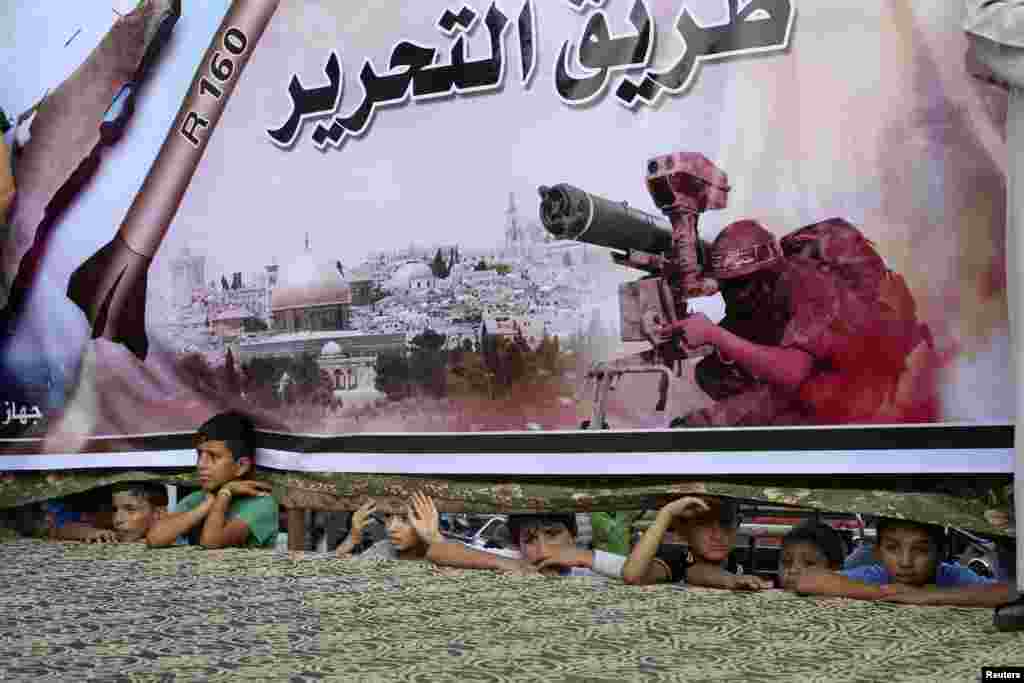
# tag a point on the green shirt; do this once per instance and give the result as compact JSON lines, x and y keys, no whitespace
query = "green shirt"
{"x":260,"y":513}
{"x":611,"y":531}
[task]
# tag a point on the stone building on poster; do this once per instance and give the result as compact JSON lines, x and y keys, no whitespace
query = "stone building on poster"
{"x":310,"y":306}
{"x":349,"y":357}
{"x":230,"y":323}
{"x":311,"y":295}
{"x":513,"y":328}
{"x":362,"y":286}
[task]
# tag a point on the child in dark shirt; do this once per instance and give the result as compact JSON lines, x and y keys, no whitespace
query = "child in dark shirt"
{"x":709,"y":527}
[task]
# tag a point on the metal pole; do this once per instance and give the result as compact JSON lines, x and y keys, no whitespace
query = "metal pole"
{"x":995,"y":31}
{"x":1011,"y":617}
{"x":1014,"y":262}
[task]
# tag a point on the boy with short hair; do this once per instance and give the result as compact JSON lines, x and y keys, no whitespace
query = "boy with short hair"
{"x":546,"y":544}
{"x":808,"y":547}
{"x":548,"y":541}
{"x":137,"y":507}
{"x":909,"y":570}
{"x":709,"y":527}
{"x":229,"y":510}
{"x":401,"y":543}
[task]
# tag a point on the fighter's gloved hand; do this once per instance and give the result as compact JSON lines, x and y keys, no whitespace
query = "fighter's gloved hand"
{"x":696,"y":330}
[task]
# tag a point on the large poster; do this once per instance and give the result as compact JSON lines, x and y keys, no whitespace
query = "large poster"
{"x":404,"y":233}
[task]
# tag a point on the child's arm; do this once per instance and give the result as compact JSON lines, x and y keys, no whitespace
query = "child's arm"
{"x":345,"y":548}
{"x":713,"y":576}
{"x":171,"y":525}
{"x":360,"y":518}
{"x":454,"y":554}
{"x":976,"y":594}
{"x":451,"y":553}
{"x":217,"y":531}
{"x":640,"y":569}
{"x":984,"y":595}
{"x":599,"y":562}
{"x":837,"y":585}
{"x":75,"y":531}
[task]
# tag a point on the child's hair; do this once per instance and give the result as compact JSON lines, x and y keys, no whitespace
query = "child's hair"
{"x":521,"y":522}
{"x":936,"y":534}
{"x":234,"y":429}
{"x":823,"y":537}
{"x":155,"y":494}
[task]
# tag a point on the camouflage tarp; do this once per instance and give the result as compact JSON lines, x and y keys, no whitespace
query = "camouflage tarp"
{"x":980,"y":504}
{"x":82,"y":611}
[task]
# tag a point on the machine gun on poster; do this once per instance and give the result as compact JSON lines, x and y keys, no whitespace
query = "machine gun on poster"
{"x":683,"y":185}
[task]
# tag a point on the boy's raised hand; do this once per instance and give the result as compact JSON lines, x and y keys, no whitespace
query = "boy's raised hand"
{"x":686,"y":507}
{"x":361,"y":517}
{"x":423,"y":518}
{"x":247,"y":487}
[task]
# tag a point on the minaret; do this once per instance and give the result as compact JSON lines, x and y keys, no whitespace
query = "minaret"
{"x":272,"y":272}
{"x":513,"y":232}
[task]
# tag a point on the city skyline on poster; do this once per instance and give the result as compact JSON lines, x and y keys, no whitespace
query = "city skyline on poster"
{"x":316,"y":264}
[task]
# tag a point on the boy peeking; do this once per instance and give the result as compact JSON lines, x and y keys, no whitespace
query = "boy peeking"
{"x":402,"y":542}
{"x":137,"y":507}
{"x":230,"y":509}
{"x":908,"y":570}
{"x":709,"y":527}
{"x":545,"y":544}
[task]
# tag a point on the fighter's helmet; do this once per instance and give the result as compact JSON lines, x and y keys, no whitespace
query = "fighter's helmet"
{"x":742,"y":248}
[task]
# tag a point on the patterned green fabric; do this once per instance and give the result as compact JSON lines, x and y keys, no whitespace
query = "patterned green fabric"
{"x":127,"y":613}
{"x":260,"y":514}
{"x":982,"y":507}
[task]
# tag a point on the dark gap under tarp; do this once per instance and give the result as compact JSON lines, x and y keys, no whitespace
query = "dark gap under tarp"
{"x":977,"y":503}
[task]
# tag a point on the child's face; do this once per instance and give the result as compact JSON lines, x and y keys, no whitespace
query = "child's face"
{"x":710,"y":540}
{"x":907,"y":554}
{"x":797,"y":558}
{"x":400,"y":532}
{"x":216,"y":465}
{"x":536,"y":542}
{"x":133,"y":515}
